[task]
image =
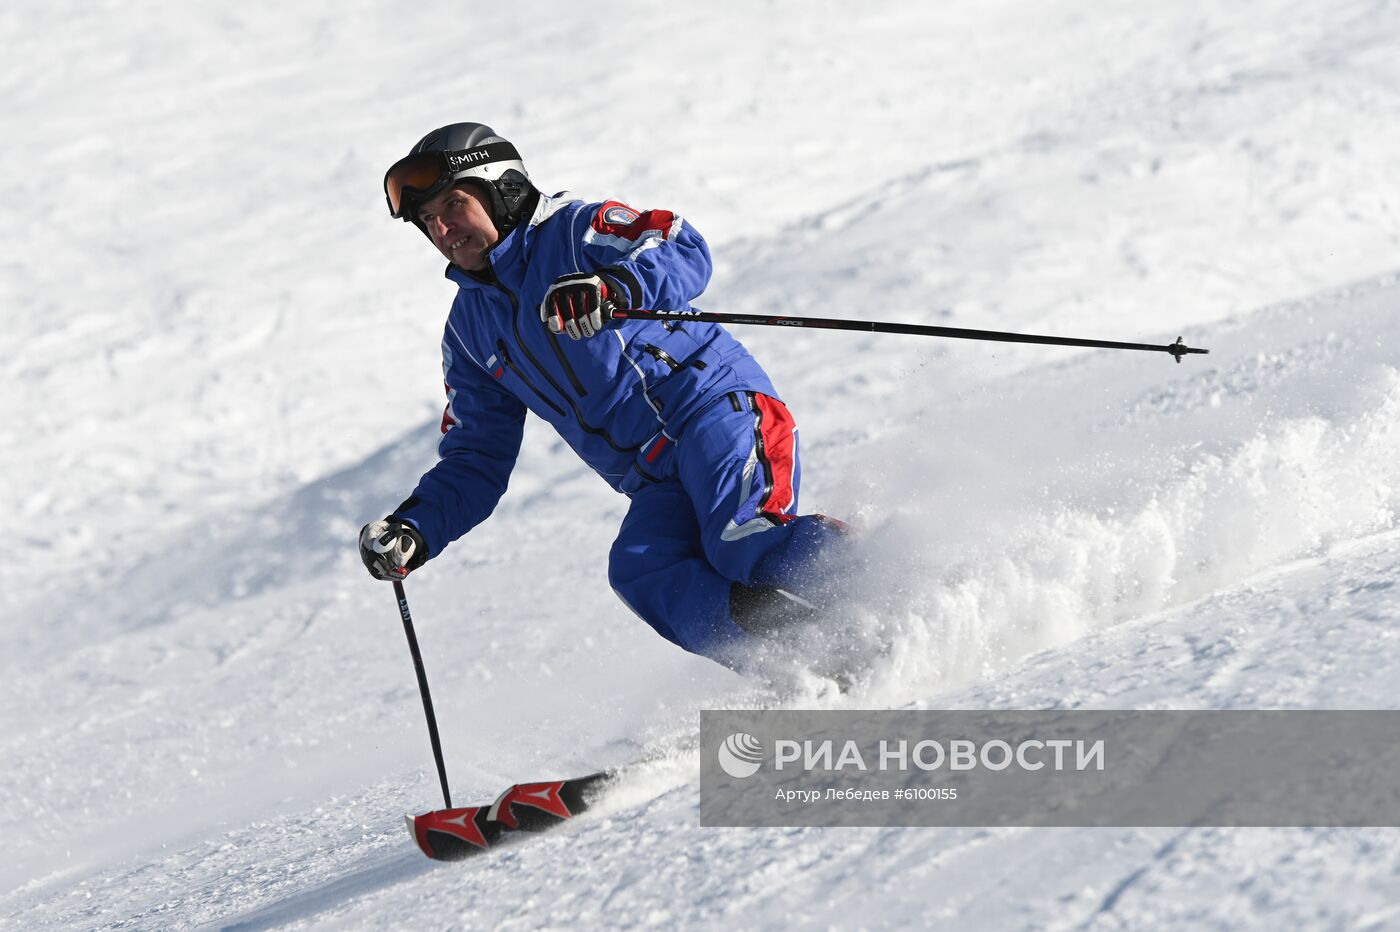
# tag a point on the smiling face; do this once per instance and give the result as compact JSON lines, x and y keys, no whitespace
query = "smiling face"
{"x":458,"y":221}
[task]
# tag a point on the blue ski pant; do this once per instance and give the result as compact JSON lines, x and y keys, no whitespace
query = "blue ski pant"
{"x":723,"y":511}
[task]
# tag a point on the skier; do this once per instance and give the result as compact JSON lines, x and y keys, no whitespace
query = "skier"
{"x":678,"y":416}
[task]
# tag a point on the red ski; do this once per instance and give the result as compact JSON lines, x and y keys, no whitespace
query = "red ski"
{"x":454,"y":834}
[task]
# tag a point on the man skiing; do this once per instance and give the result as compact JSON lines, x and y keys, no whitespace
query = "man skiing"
{"x":677,"y":416}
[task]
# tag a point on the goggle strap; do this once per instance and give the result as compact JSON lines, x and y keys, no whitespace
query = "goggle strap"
{"x":463,"y":159}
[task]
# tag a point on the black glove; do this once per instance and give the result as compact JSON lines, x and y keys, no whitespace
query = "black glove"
{"x":577,"y":304}
{"x":391,"y":548}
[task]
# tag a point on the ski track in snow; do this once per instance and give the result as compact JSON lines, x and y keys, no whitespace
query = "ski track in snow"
{"x":223,"y":361}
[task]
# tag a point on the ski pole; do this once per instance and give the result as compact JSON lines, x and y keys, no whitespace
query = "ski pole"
{"x":1177,"y":349}
{"x":423,"y":689}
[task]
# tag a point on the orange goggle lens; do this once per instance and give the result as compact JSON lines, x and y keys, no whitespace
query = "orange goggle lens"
{"x":417,"y":175}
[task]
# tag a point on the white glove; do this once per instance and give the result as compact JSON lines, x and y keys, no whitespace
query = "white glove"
{"x":391,"y":548}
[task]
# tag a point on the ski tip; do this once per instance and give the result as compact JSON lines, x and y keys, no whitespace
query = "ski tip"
{"x":453,"y":834}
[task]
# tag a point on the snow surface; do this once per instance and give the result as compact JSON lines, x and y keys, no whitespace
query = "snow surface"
{"x":221,"y":359}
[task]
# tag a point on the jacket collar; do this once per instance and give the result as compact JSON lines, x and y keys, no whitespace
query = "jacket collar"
{"x":510,"y":254}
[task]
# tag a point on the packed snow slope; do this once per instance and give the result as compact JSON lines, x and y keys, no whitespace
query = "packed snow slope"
{"x":222,"y":359}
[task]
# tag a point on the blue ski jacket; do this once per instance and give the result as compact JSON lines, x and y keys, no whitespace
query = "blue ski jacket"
{"x":615,"y":398}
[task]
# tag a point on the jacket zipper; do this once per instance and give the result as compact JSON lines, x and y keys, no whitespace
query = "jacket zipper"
{"x":568,"y":369}
{"x":660,"y":354}
{"x":505,"y":357}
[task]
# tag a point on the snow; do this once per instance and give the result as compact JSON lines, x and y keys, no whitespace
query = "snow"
{"x":222,"y":358}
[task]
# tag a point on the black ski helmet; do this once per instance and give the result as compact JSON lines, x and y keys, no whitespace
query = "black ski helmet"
{"x":470,"y":152}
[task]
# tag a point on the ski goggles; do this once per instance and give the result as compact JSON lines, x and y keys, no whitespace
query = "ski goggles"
{"x":415,"y":178}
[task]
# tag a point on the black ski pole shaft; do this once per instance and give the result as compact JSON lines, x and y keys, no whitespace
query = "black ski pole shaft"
{"x":1177,"y":349}
{"x":423,"y":689}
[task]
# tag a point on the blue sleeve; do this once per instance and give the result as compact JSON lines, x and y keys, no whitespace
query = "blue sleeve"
{"x":650,"y":259}
{"x":481,"y":431}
